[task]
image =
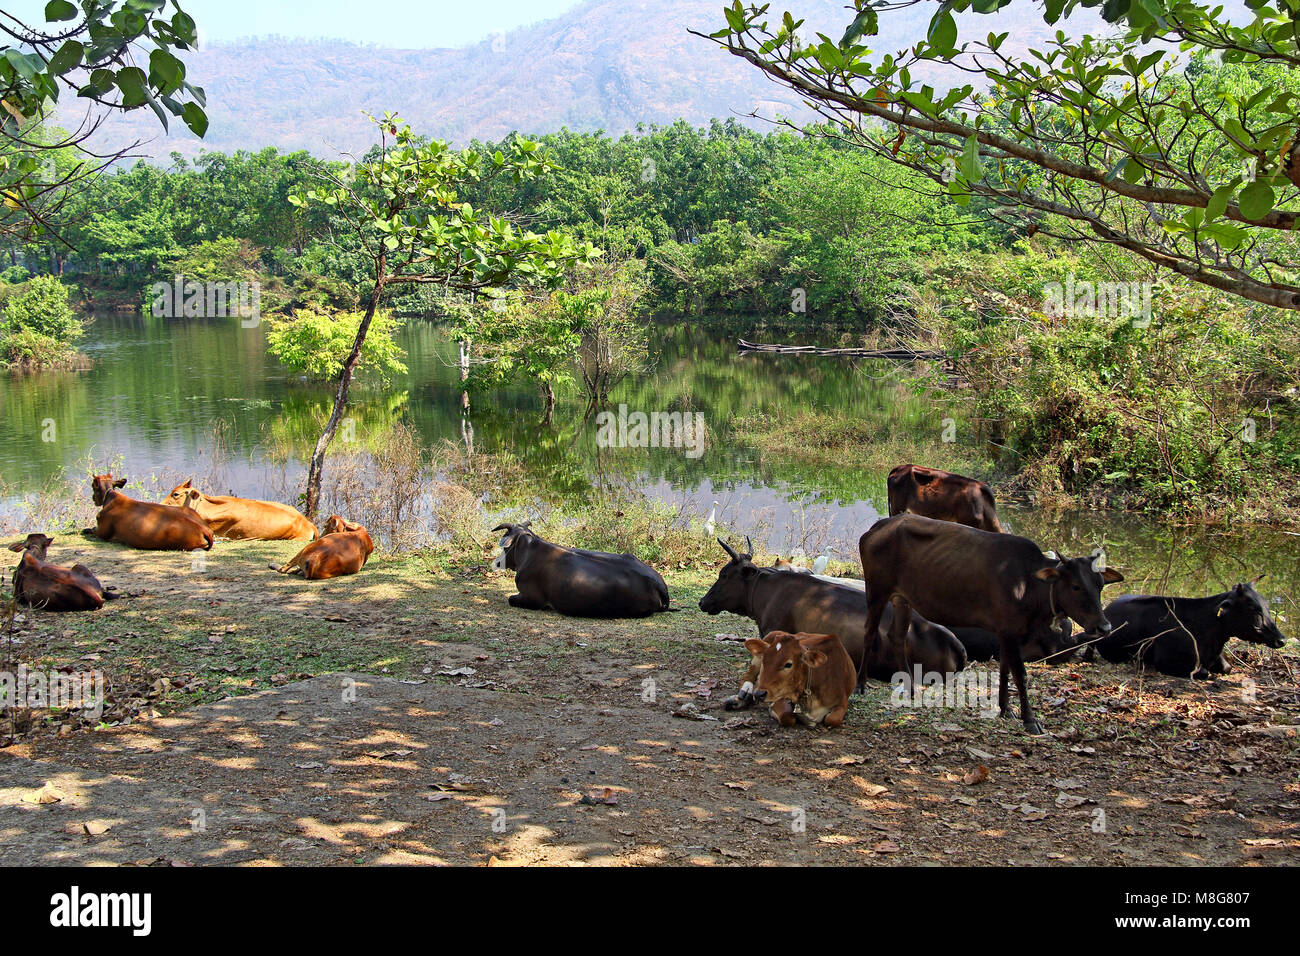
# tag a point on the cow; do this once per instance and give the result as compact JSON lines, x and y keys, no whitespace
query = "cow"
{"x":804,"y":603}
{"x":243,"y":518}
{"x":1059,"y":647}
{"x":1185,"y":636}
{"x":575,"y":582}
{"x":343,"y":549}
{"x":48,"y":587}
{"x":959,"y":576}
{"x":143,"y":524}
{"x":803,"y":677}
{"x":942,"y":495}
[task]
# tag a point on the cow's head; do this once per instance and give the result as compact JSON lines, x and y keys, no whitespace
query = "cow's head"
{"x":1245,"y":615}
{"x":101,"y":486}
{"x":731,"y":591}
{"x":507,"y":558}
{"x":784,"y":666}
{"x":34,"y":544}
{"x":337,"y":525}
{"x":1076,"y":585}
{"x":182,"y":495}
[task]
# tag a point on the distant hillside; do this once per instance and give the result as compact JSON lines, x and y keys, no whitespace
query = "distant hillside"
{"x":606,"y":64}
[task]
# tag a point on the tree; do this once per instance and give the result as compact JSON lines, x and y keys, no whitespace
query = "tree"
{"x":90,"y":48}
{"x":1193,"y":164}
{"x":519,"y":338}
{"x":402,"y":206}
{"x":317,"y":343}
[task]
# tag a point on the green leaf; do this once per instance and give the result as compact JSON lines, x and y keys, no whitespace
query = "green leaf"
{"x":1218,"y":202}
{"x":195,"y":119}
{"x":943,"y":31}
{"x":57,"y":10}
{"x":1256,"y":200}
{"x":67,"y":58}
{"x":865,"y":23}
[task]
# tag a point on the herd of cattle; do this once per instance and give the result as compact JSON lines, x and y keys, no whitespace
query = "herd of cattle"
{"x":943,"y":585}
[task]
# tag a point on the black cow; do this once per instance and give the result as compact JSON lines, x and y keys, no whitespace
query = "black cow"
{"x":576,"y":582}
{"x":959,"y":576}
{"x":778,"y":600}
{"x":1183,"y":636}
{"x":1059,"y":646}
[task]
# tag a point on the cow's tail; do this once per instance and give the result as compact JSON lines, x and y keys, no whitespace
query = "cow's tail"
{"x":662,"y":588}
{"x":208,"y":539}
{"x":108,"y":595}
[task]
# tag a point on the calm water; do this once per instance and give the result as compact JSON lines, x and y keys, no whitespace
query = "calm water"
{"x":160,"y":387}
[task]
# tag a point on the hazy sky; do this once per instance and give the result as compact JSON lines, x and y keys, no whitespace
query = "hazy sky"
{"x":397,"y":23}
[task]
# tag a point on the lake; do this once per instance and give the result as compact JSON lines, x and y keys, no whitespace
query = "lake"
{"x":161,"y":388}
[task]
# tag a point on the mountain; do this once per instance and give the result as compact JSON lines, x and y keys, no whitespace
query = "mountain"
{"x":605,"y":64}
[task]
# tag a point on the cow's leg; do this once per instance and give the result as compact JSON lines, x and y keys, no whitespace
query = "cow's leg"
{"x":1012,"y":661}
{"x":900,"y":629}
{"x":745,"y":696}
{"x":528,"y":604}
{"x":875,"y":611}
{"x":836,"y":717}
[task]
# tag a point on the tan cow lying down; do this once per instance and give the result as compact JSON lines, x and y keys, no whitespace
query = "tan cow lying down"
{"x":342,"y":549}
{"x":48,"y":587}
{"x":143,"y":524}
{"x":243,"y":518}
{"x":805,"y":677}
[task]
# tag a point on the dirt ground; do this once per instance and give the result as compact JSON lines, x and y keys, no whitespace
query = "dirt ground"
{"x":409,"y":715}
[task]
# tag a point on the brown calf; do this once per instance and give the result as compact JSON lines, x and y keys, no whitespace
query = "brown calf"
{"x":243,"y":518}
{"x":932,"y":493}
{"x":143,"y":524}
{"x":806,"y":677}
{"x":49,"y":587}
{"x":342,"y":549}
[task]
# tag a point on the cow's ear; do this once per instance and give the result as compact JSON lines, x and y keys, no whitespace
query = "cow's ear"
{"x":756,"y":646}
{"x":748,"y":570}
{"x":1223,"y":608}
{"x":1111,"y":576}
{"x":814,"y":658}
{"x":120,"y":483}
{"x":1050,"y":573}
{"x":19,"y":546}
{"x":189,"y":483}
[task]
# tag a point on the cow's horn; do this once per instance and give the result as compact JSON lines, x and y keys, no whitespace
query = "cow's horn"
{"x":1260,"y":578}
{"x":729,"y":549}
{"x":749,"y":546}
{"x":500,"y":527}
{"x":1051,"y":556}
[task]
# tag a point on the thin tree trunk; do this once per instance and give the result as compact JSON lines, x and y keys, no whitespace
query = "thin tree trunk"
{"x":548,"y":393}
{"x":314,"y":473}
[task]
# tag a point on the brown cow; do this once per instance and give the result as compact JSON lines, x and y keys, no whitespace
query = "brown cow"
{"x":932,"y":493}
{"x":49,"y":587}
{"x":342,"y":549}
{"x":143,"y":524}
{"x":806,"y":677}
{"x":243,"y":518}
{"x":963,"y":577}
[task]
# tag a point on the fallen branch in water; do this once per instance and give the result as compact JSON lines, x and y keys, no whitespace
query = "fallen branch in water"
{"x":899,"y":354}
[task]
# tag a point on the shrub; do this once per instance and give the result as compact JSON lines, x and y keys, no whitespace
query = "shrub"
{"x":38,"y":326}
